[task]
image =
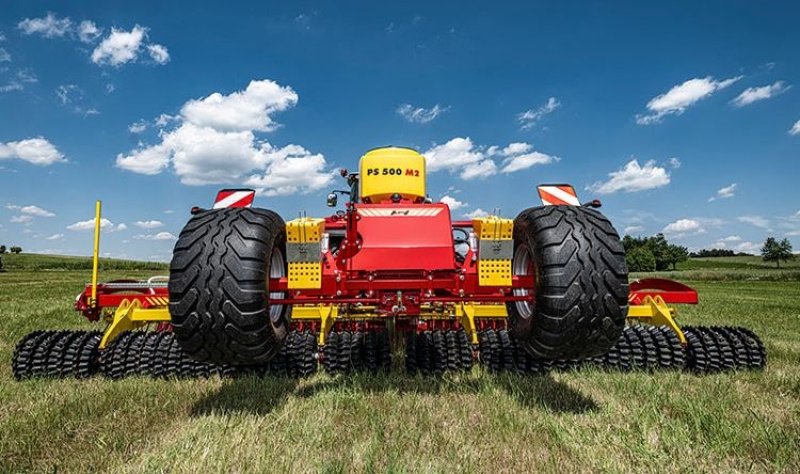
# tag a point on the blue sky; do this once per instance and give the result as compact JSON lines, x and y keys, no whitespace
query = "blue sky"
{"x":682,"y":117}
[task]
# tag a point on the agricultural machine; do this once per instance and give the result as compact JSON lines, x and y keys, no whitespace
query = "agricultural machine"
{"x":390,"y":276}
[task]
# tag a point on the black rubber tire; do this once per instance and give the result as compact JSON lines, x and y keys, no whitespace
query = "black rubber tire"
{"x":507,"y":359}
{"x":384,"y":351}
{"x":756,"y":353}
{"x":218,"y":286}
{"x":330,"y":353}
{"x":411,"y":353}
{"x":452,"y":350}
{"x":581,"y":283}
{"x":465,"y":355}
{"x":438,"y":353}
{"x":57,"y":359}
{"x":23,"y":354}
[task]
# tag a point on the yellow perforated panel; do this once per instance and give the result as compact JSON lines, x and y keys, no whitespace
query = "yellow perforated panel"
{"x":494,"y":272}
{"x":305,"y":275}
{"x":493,"y":228}
{"x":304,"y":230}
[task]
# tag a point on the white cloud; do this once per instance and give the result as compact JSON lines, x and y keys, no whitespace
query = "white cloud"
{"x":754,"y":94}
{"x":748,"y":247}
{"x":119,"y":47}
{"x":4,"y":56}
{"x":152,"y":224}
{"x":158,"y":53}
{"x":633,"y":229}
{"x":249,"y":109}
{"x":674,"y":163}
{"x":681,"y":97}
{"x":520,"y":156}
{"x":632,"y":178}
{"x":31,"y":210}
{"x":18,"y":80}
{"x":55,"y":237}
{"x":476,"y":213}
{"x":452,"y":203}
{"x":756,"y":221}
{"x":725,"y":241}
{"x":531,"y":117}
{"x":37,"y":151}
{"x":724,"y":193}
{"x":795,"y":130}
{"x":88,"y":31}
{"x":24,"y":219}
{"x":463,"y":156}
{"x":158,"y":236}
{"x":420,"y":114}
{"x":683,"y":227}
{"x":453,"y":155}
{"x":138,"y":127}
{"x":214,"y":142}
{"x":105,"y":225}
{"x":49,"y":27}
{"x":481,"y":169}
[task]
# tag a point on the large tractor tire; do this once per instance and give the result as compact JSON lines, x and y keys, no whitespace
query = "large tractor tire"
{"x":218,"y":286}
{"x":580,"y":290}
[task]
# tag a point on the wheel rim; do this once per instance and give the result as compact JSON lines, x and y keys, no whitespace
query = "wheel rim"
{"x":277,"y":269}
{"x":522,"y":265}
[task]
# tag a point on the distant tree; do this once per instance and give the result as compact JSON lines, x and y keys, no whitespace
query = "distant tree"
{"x":16,"y":249}
{"x":714,"y":253}
{"x":2,"y":249}
{"x":774,"y":251}
{"x":677,"y":254}
{"x":640,"y":259}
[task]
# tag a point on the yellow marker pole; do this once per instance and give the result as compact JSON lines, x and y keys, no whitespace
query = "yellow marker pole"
{"x":96,"y":254}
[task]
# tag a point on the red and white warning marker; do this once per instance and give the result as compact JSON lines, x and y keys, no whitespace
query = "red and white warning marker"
{"x":558,"y":195}
{"x":234,"y":198}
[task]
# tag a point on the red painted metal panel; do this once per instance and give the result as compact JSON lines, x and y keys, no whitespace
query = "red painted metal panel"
{"x":404,"y":237}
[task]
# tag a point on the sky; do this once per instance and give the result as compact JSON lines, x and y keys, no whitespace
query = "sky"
{"x":681,"y":117}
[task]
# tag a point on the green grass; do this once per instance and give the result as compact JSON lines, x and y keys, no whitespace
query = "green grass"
{"x":574,"y":422}
{"x":747,"y":268}
{"x":38,"y":262}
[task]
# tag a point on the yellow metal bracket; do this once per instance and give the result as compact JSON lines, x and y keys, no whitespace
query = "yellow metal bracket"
{"x":656,"y":312}
{"x":130,"y":315}
{"x":325,"y":313}
{"x":496,"y":246}
{"x":467,"y":312}
{"x":304,"y":253}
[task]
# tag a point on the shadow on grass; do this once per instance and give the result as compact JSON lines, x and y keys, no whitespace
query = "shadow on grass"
{"x":263,"y":395}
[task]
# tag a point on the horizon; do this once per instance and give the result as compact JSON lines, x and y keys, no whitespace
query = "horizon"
{"x":679,"y":123}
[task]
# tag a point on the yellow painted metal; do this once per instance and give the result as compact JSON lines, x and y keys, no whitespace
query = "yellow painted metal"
{"x":494,"y":233}
{"x":325,"y":313}
{"x":304,"y":230}
{"x":389,"y":170}
{"x":656,"y":312}
{"x":303,"y":251}
{"x":96,"y":252}
{"x":130,"y":315}
{"x":494,"y":272}
{"x":305,"y":275}
{"x":467,"y":312}
{"x":493,"y":228}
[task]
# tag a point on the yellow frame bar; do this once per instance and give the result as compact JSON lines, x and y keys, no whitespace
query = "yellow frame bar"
{"x":130,"y":315}
{"x":96,"y":252}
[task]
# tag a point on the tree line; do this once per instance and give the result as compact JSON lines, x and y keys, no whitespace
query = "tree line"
{"x":13,"y":249}
{"x":651,"y":254}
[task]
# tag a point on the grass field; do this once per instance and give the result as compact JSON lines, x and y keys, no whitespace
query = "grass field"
{"x":573,"y":422}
